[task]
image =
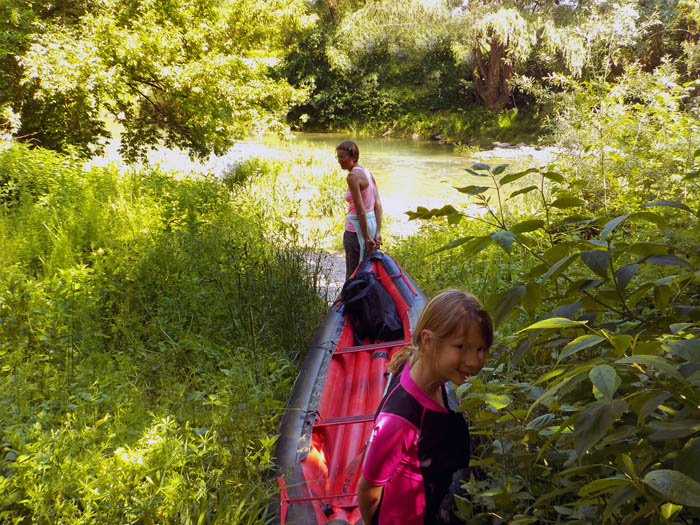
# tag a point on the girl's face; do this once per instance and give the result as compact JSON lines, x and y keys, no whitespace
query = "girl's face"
{"x":457,"y":357}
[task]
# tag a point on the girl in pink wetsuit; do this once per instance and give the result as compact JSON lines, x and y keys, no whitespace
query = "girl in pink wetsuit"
{"x":419,"y":450}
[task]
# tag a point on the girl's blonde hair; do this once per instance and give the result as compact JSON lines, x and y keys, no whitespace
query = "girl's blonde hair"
{"x":445,"y":314}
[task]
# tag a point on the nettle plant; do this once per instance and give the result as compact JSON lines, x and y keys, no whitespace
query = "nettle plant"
{"x":591,"y":411}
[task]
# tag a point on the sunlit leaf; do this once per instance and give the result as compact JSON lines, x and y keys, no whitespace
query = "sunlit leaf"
{"x":553,"y":323}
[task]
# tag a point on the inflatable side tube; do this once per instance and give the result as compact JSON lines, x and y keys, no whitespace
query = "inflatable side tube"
{"x":297,"y":421}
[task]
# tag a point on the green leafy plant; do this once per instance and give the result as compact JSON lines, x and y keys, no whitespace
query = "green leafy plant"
{"x":591,"y":410}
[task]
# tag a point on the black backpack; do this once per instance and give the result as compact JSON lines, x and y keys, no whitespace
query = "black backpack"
{"x":370,"y":310}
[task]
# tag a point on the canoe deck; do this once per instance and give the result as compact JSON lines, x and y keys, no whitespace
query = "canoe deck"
{"x":318,"y":481}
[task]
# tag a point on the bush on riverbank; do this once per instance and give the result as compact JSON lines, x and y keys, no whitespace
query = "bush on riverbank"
{"x":150,"y":328}
{"x":588,"y":410}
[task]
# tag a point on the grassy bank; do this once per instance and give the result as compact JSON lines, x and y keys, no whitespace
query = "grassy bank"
{"x":150,"y":329}
{"x":473,"y":126}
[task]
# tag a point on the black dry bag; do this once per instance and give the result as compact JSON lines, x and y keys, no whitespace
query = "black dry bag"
{"x":370,"y":310}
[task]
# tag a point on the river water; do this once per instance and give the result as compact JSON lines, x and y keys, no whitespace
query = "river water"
{"x":409,"y":173}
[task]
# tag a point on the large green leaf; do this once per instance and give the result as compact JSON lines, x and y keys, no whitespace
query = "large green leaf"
{"x":601,"y":486}
{"x":567,"y":202}
{"x":652,"y":360}
{"x":605,"y":381}
{"x":553,"y":323}
{"x":556,"y":252}
{"x":480,"y":166}
{"x":674,"y":486}
{"x":500,"y":169}
{"x":504,"y":239}
{"x":666,"y":260}
{"x":611,"y":225}
{"x":453,"y":244}
{"x":662,"y":296}
{"x":578,"y":344}
{"x":597,"y":260}
{"x":512,"y":177}
{"x":501,"y":305}
{"x":474,"y":190}
{"x":644,"y":249}
{"x":665,"y":430}
{"x":425,"y":213}
{"x":688,"y":349}
{"x":649,"y":217}
{"x":532,"y":299}
{"x":476,"y":245}
{"x":559,"y":266}
{"x":688,"y":459}
{"x":554,"y":176}
{"x":668,"y":203}
{"x":527,"y":226}
{"x":521,"y":191}
{"x":624,"y":275}
{"x":594,"y":423}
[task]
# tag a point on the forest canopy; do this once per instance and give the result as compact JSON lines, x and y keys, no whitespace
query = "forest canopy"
{"x":187,"y":74}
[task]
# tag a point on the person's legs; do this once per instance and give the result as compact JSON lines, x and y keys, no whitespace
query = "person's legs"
{"x":352,"y":252}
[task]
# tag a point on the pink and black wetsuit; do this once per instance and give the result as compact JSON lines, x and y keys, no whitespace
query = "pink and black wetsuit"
{"x":416,"y":450}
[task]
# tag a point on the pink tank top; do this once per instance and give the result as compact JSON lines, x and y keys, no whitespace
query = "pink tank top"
{"x":369,"y":197}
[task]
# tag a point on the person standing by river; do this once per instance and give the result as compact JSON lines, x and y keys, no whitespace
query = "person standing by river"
{"x":364,"y":220}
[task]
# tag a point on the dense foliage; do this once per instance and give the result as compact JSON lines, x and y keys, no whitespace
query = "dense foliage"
{"x":150,"y":330}
{"x":590,"y":410}
{"x":379,"y":65}
{"x":189,"y":74}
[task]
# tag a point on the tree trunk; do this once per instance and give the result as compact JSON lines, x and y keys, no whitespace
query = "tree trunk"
{"x":492,"y":78}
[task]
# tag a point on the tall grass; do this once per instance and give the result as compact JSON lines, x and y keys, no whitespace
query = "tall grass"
{"x":150,"y":329}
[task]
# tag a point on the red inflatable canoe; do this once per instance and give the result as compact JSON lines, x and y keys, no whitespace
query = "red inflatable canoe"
{"x":328,"y":420}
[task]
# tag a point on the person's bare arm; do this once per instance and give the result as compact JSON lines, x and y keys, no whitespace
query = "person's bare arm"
{"x":368,"y":497}
{"x":356,"y":192}
{"x":378,"y":215}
